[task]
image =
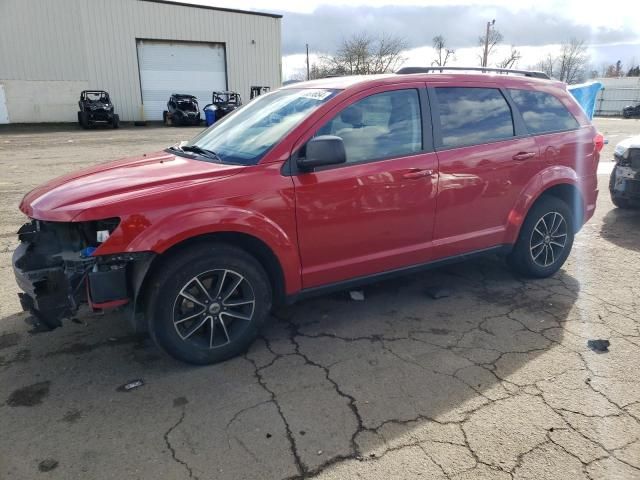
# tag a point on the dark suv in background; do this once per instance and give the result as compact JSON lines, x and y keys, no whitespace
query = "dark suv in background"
{"x":319,"y":186}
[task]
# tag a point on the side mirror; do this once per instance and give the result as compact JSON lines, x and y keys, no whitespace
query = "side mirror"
{"x":323,"y":150}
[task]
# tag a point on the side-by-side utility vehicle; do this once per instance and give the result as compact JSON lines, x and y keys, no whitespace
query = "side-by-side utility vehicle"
{"x":181,"y":110}
{"x":96,"y":108}
{"x":315,"y":187}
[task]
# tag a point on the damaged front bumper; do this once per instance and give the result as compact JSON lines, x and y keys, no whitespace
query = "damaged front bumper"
{"x":625,"y":183}
{"x":57,"y":272}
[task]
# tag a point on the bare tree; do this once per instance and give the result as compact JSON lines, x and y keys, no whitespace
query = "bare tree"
{"x":362,"y":54}
{"x":495,"y":37}
{"x":511,"y":60}
{"x":570,"y":65}
{"x":615,"y":71}
{"x":572,"y":61}
{"x":443,"y":54}
{"x":546,"y":65}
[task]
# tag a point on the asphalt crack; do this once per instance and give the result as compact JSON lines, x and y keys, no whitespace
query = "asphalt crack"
{"x":173,"y":450}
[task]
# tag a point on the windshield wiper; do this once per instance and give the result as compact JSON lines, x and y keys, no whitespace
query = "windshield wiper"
{"x":210,"y":154}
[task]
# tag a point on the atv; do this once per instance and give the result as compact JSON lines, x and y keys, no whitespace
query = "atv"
{"x":181,"y":110}
{"x":631,"y":111}
{"x":223,"y":103}
{"x":257,"y":91}
{"x":96,"y":109}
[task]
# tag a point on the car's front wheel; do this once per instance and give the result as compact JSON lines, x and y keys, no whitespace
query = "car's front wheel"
{"x":207,"y":303}
{"x":83,"y":119}
{"x":166,"y":119}
{"x":545,"y":239}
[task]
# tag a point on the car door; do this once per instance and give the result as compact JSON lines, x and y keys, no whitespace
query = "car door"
{"x":557,"y":132}
{"x":485,"y":160}
{"x":375,"y":212}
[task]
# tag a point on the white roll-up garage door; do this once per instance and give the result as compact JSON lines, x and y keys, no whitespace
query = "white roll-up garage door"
{"x":179,"y":67}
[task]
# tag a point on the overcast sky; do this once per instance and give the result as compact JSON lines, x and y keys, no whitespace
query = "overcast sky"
{"x":610,"y":27}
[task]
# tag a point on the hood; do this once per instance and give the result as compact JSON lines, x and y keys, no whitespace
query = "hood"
{"x":627,"y":143}
{"x":66,"y":197}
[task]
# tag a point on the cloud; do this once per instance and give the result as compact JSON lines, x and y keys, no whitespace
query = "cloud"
{"x":461,"y":25}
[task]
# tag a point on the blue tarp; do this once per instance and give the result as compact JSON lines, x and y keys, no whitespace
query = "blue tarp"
{"x":585,"y":94}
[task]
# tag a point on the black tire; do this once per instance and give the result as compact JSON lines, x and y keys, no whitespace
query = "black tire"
{"x":175,"y":296}
{"x":115,"y":121}
{"x":615,"y":199}
{"x":621,"y":202}
{"x":79,"y":119}
{"x":49,"y":321}
{"x":83,"y":118}
{"x":537,"y":255}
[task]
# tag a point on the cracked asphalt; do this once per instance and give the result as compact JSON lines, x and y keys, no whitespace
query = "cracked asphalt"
{"x":494,"y":381}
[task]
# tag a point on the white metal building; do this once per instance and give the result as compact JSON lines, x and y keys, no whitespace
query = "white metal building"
{"x":616,"y":94}
{"x":140,"y":51}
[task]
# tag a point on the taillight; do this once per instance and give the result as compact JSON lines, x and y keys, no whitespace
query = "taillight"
{"x":598,"y":142}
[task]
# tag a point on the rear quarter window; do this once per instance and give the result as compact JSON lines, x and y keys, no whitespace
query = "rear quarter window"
{"x":473,"y":115}
{"x":542,"y":112}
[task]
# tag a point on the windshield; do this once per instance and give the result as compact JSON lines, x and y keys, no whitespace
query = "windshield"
{"x":97,"y":97}
{"x":247,"y":134}
{"x":188,"y":105}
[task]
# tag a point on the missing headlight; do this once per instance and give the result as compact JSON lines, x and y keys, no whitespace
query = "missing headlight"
{"x":98,"y":231}
{"x":102,"y":235}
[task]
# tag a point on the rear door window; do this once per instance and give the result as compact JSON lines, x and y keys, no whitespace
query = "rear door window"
{"x":542,"y":112}
{"x":473,"y":115}
{"x":380,"y":126}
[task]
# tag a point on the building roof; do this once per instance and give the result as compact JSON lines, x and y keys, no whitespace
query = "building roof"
{"x":210,"y":7}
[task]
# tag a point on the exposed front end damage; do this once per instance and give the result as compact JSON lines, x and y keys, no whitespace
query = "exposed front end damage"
{"x":56,"y":268}
{"x":624,"y":184}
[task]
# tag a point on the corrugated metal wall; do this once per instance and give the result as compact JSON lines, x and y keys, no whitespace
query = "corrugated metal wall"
{"x":617,"y":94}
{"x":93,"y":43}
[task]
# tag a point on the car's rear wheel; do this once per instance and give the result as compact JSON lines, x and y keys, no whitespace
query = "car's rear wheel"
{"x":115,"y":121}
{"x":207,"y":304}
{"x":545,"y":239}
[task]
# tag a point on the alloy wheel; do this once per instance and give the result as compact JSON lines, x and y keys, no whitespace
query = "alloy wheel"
{"x":548,"y":239}
{"x":213,"y":308}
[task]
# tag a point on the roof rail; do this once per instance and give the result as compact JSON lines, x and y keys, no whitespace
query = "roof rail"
{"x":526,"y":73}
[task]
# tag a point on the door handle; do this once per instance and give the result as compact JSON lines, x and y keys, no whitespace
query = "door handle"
{"x":417,"y":173}
{"x":524,"y":156}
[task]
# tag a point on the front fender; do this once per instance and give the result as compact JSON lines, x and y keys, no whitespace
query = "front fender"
{"x":162,"y":234}
{"x":544,"y":180}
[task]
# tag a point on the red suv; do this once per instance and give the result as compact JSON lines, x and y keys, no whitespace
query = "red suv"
{"x":315,"y":187}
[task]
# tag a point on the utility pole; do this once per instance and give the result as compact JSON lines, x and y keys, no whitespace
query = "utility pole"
{"x":485,"y":56}
{"x":307,"y":61}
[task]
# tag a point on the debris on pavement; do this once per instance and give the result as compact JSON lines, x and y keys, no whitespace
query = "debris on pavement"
{"x":133,"y":384}
{"x":47,"y":465}
{"x":357,"y":295}
{"x":438,"y":292}
{"x":598,"y":346}
{"x":180,"y":401}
